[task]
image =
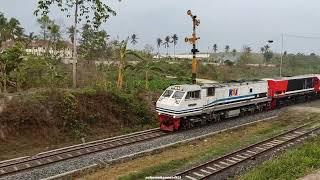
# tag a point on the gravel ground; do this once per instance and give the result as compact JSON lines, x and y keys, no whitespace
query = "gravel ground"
{"x":109,"y":156}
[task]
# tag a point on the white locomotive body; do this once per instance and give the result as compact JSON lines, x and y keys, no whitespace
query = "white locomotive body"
{"x":186,"y":105}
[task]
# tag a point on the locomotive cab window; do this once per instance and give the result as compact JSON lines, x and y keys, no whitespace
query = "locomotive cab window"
{"x":193,"y":95}
{"x":167,"y":93}
{"x":178,"y":95}
{"x":210,"y":91}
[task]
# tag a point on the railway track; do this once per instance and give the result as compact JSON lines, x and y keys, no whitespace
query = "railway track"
{"x":224,"y":163}
{"x":49,"y":157}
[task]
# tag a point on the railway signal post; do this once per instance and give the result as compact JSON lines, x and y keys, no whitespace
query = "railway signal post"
{"x":193,"y":40}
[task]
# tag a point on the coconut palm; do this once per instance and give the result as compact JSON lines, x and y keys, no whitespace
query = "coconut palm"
{"x":159,"y":42}
{"x":167,"y":41}
{"x":175,"y":41}
{"x":247,"y":50}
{"x":234,"y":52}
{"x":54,"y":35}
{"x":70,"y":31}
{"x":215,"y":48}
{"x":44,"y":22}
{"x":123,"y":52}
{"x":263,"y":50}
{"x":227,"y":48}
{"x":10,"y":30}
{"x":147,"y":66}
{"x":54,"y":31}
{"x":15,"y":31}
{"x":134,"y":39}
{"x":3,"y":23}
{"x":29,"y":38}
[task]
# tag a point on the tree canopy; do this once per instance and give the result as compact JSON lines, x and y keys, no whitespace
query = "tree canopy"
{"x":93,"y":43}
{"x":92,"y":11}
{"x":9,"y":29}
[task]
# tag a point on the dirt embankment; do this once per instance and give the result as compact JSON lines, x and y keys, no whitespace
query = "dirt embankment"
{"x":46,"y":120}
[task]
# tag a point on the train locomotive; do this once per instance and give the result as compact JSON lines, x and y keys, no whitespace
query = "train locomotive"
{"x":186,"y":106}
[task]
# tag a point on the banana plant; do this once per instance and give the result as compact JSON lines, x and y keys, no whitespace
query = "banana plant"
{"x":123,"y":53}
{"x":148,"y":68}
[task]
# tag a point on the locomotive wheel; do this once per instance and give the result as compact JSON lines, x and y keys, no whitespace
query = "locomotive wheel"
{"x":211,"y":116}
{"x":183,"y":124}
{"x":217,"y":119}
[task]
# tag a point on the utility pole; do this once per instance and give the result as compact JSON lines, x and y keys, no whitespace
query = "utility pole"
{"x":74,"y":62}
{"x":193,"y":40}
{"x":281,"y":58}
{"x":208,"y":54}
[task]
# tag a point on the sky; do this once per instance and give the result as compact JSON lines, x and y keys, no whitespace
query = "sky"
{"x":223,"y":22}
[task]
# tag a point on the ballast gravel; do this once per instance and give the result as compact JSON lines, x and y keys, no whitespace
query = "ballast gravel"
{"x":107,"y":157}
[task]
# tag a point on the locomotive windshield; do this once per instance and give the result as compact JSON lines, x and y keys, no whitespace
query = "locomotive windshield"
{"x":167,"y":93}
{"x":178,"y":95}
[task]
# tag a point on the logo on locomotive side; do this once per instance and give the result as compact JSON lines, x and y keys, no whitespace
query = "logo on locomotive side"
{"x":233,"y":92}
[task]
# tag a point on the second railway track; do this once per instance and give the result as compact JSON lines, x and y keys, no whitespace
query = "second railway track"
{"x":224,"y":163}
{"x":45,"y":158}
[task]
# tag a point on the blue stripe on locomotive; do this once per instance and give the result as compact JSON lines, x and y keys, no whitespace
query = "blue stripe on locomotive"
{"x":221,"y":101}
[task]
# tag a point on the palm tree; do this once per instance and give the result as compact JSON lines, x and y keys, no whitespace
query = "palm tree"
{"x":247,"y":50}
{"x":167,"y":41}
{"x":10,"y":30}
{"x":123,"y":52}
{"x":70,"y":31}
{"x":54,"y":34}
{"x":55,"y":31}
{"x":215,"y":48}
{"x":263,"y":50}
{"x":3,"y":23}
{"x":234,"y":52}
{"x":29,"y":38}
{"x":44,"y":22}
{"x":14,"y":28}
{"x":175,"y":41}
{"x":134,"y":39}
{"x":227,"y":48}
{"x":159,"y":42}
{"x":147,"y":67}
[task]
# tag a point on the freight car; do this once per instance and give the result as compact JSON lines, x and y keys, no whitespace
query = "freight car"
{"x":186,"y":106}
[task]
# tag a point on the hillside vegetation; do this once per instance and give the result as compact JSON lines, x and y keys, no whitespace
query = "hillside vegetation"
{"x":49,"y":119}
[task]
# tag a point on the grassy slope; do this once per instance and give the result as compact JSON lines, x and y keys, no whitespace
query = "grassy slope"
{"x":42,"y":121}
{"x":198,"y":151}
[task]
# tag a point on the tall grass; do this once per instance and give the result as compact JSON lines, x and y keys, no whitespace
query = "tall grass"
{"x":291,"y":165}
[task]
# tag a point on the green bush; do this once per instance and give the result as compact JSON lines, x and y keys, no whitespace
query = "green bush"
{"x":69,"y":108}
